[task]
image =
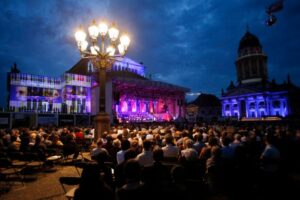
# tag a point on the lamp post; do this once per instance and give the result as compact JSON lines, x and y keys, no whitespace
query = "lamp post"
{"x":105,"y":48}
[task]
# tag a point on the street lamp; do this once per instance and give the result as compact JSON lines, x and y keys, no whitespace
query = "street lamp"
{"x":104,"y":49}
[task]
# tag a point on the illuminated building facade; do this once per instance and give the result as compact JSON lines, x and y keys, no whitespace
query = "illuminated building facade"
{"x":254,"y":96}
{"x":130,"y":96}
{"x":32,"y":93}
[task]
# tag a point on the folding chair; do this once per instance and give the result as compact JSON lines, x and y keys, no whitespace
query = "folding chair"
{"x":70,"y":181}
{"x":8,"y":171}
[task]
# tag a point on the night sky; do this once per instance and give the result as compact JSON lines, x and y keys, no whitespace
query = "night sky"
{"x":192,"y":43}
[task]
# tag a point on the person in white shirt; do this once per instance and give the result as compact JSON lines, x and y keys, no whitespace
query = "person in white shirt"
{"x":189,"y":153}
{"x":120,"y":154}
{"x":146,"y":157}
{"x":170,"y":150}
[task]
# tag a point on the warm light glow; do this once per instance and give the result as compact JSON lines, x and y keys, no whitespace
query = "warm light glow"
{"x":121,"y":49}
{"x":113,"y":33}
{"x":111,"y":50}
{"x":82,"y":45}
{"x":93,"y":30}
{"x":103,"y":28}
{"x":80,"y":35}
{"x":125,"y":41}
{"x":95,"y":49}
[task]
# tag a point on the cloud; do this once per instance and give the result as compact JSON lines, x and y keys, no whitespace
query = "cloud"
{"x":192,"y":43}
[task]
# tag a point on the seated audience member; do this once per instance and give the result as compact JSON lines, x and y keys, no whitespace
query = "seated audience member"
{"x":120,"y":154}
{"x":270,"y":157}
{"x":98,"y":149}
{"x":146,"y":157}
{"x":214,"y":169}
{"x":170,"y":150}
{"x":199,"y":144}
{"x":237,"y":141}
{"x":227,"y":151}
{"x":70,"y":147}
{"x":25,"y":140}
{"x":179,"y":189}
{"x":206,"y":151}
{"x":92,"y":186}
{"x":39,"y":148}
{"x":189,"y":153}
{"x":133,"y":189}
{"x":156,"y":177}
{"x":14,"y":146}
{"x":119,"y":171}
{"x":135,"y":147}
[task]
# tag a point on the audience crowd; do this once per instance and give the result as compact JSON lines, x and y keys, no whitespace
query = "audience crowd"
{"x":149,"y":161}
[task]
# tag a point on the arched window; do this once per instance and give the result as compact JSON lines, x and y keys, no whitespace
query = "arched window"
{"x":252,"y":105}
{"x":276,"y":104}
{"x":261,"y":104}
{"x":227,"y":107}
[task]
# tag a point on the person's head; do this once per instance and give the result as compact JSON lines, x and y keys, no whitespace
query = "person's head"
{"x":134,"y":144}
{"x":37,"y":140}
{"x":212,"y":141}
{"x":226,"y":141}
{"x":188,"y":143}
{"x":269,"y":139}
{"x":169,"y":139}
{"x":216,"y":151}
{"x":129,"y":154}
{"x":237,"y":137}
{"x":109,"y":139}
{"x":117,"y":143}
{"x":147,"y":145}
{"x":132,"y":170}
{"x":158,"y":154}
{"x":90,"y":176}
{"x":125,"y":144}
{"x":101,"y":157}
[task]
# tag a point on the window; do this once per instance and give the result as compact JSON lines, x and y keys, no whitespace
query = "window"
{"x":276,"y":104}
{"x":247,"y":72}
{"x":261,"y":104}
{"x":252,"y":105}
{"x":227,"y":107}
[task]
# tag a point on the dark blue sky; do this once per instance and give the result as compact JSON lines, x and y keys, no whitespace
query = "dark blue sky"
{"x":192,"y":43}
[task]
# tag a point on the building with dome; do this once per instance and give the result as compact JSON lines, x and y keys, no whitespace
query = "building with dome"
{"x":253,"y":95}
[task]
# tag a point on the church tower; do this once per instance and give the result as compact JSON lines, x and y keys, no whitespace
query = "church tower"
{"x":251,"y":64}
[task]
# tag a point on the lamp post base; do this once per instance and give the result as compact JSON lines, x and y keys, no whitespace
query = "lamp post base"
{"x":102,"y":124}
